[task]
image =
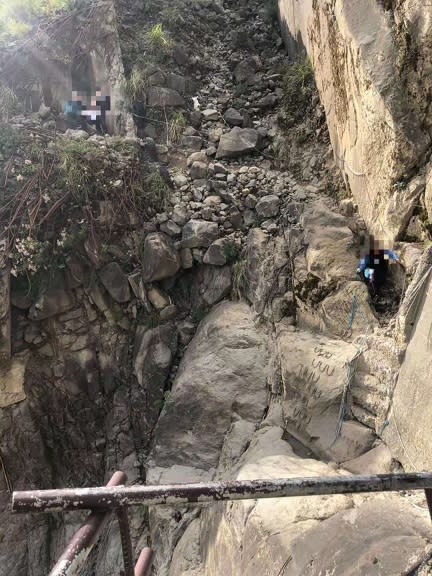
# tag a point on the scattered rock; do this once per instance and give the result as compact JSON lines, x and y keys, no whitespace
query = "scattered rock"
{"x":116,"y":283}
{"x":216,"y":253}
{"x":161,"y":97}
{"x":268,"y":206}
{"x":160,"y":259}
{"x":211,"y":114}
{"x":198,"y":170}
{"x":237,"y":142}
{"x":199,"y":233}
{"x":158,"y":298}
{"x":233,"y":117}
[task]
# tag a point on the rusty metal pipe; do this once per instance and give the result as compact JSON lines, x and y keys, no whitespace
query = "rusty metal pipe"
{"x":75,"y":555}
{"x":115,"y":497}
{"x":145,"y":562}
{"x":126,"y":541}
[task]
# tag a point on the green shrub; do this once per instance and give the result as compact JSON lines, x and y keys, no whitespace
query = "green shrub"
{"x":231,"y":251}
{"x":157,"y":41}
{"x":239,"y":279}
{"x":176,"y":126}
{"x":156,"y":192}
{"x":298,"y":88}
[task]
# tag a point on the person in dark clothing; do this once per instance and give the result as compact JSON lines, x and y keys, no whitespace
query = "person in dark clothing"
{"x":104,"y":103}
{"x":373,"y":268}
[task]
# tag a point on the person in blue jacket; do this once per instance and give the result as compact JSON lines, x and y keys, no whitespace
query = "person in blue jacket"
{"x":73,"y":110}
{"x":373,"y":268}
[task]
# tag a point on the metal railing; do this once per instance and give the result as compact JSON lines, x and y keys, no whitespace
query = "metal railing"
{"x":115,"y":497}
{"x":76,"y":554}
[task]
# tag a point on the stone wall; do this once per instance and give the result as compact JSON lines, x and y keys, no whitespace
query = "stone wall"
{"x":371,"y":70}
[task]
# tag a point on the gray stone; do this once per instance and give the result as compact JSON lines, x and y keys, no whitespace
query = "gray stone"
{"x":171,"y":228}
{"x":160,"y":259}
{"x":180,"y":214}
{"x":158,"y":298}
{"x":200,"y":156}
{"x":115,"y":282}
{"x":161,"y":97}
{"x":198,"y":170}
{"x":268,"y":206}
{"x":250,"y":201}
{"x":237,"y":142}
{"x":176,"y":82}
{"x":214,"y":284}
{"x":180,"y":180}
{"x":245,"y":71}
{"x":215,"y":254}
{"x":233,"y":117}
{"x":210,"y":114}
{"x":199,"y":233}
{"x":192,"y":142}
{"x":186,"y":258}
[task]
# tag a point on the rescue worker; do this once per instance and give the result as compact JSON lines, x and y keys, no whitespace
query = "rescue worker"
{"x":373,"y":268}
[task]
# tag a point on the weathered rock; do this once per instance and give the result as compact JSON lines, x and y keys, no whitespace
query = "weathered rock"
{"x":428,"y":192}
{"x":210,"y":114}
{"x":186,"y":258}
{"x":198,"y":170}
{"x":192,"y":142}
{"x":345,"y":313}
{"x":216,"y":253}
{"x":213,"y":284}
{"x":233,"y":117}
{"x":161,"y":97}
{"x":200,"y":156}
{"x":266,"y":259}
{"x":237,"y":142}
{"x":115,"y":281}
{"x":153,"y":353}
{"x":191,"y":431}
{"x":268,"y":206}
{"x":376,"y":461}
{"x":170,"y":228}
{"x":313,"y":533}
{"x":330,"y":254}
{"x":246,"y":70}
{"x":158,"y":298}
{"x":199,"y":233}
{"x":401,"y":205}
{"x":12,"y":380}
{"x":160,"y":259}
{"x":180,"y":180}
{"x":51,"y":301}
{"x":313,"y":370}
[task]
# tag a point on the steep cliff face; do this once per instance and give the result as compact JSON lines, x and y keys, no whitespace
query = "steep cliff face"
{"x":372,"y":66}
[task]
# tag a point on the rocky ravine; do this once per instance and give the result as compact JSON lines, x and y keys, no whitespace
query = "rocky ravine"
{"x":160,"y":369}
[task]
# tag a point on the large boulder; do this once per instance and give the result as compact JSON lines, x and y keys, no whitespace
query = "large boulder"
{"x":160,"y":258}
{"x":212,"y":285}
{"x":267,"y":269}
{"x":245,"y":71}
{"x":222,"y":378}
{"x":116,"y":282}
{"x":314,"y":374}
{"x":199,"y":234}
{"x":268,"y":206}
{"x":223,"y":373}
{"x":237,"y":142}
{"x":161,"y":97}
{"x":300,"y":536}
{"x":331,"y":248}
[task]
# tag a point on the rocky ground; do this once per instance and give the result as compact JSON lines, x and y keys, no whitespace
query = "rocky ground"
{"x":213,"y":339}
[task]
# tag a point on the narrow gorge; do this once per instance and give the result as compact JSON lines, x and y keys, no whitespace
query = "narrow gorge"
{"x":179,"y":296}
